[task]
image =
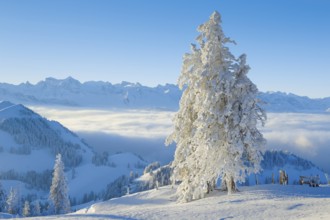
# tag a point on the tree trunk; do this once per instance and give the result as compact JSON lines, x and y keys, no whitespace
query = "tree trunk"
{"x":210,"y":186}
{"x":229,"y":185}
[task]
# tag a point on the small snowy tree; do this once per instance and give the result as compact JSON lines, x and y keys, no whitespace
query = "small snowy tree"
{"x":58,"y":190}
{"x":26,"y":209}
{"x":215,"y":127}
{"x":2,"y":199}
{"x":13,"y":202}
{"x":36,"y":211}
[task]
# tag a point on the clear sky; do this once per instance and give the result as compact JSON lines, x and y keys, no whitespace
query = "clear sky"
{"x":286,"y":41}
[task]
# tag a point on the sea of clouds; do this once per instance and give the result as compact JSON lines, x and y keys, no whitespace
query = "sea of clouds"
{"x":144,"y":132}
{"x":139,"y":131}
{"x":306,"y":135}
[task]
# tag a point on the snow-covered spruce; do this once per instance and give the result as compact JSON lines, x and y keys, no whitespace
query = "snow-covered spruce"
{"x":36,"y":211}
{"x":13,"y":202}
{"x":26,"y":209}
{"x":215,"y":127}
{"x":58,"y":196}
{"x":2,"y":198}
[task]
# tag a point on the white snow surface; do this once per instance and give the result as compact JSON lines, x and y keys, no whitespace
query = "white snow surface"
{"x":257,"y":202}
{"x":38,"y":160}
{"x":96,"y":178}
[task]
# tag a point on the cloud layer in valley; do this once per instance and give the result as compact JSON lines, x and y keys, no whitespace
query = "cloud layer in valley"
{"x":307,"y":135}
{"x":139,"y":131}
{"x":127,"y":123}
{"x":144,"y":132}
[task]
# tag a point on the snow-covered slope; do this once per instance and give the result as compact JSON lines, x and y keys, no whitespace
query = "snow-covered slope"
{"x":70,"y":92}
{"x":29,"y":144}
{"x":23,"y":132}
{"x":294,"y":166}
{"x":272,"y":164}
{"x":258,"y":202}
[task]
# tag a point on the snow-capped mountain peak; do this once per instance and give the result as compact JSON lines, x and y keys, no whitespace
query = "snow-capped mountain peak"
{"x":69,"y":84}
{"x":98,"y":94}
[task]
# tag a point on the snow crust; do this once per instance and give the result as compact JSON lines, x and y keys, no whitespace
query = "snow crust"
{"x":257,"y":202}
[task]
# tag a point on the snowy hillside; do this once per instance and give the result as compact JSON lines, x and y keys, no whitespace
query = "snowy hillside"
{"x":29,"y":144}
{"x":294,"y":166}
{"x":23,"y":132}
{"x":70,"y":92}
{"x":272,"y":164}
{"x":258,"y":202}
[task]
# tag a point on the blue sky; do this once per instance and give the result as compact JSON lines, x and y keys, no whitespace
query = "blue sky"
{"x":286,"y":41}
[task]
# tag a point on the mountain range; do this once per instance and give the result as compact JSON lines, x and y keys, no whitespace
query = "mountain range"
{"x":98,"y":94}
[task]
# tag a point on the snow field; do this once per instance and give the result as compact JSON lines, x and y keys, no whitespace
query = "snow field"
{"x":257,"y":202}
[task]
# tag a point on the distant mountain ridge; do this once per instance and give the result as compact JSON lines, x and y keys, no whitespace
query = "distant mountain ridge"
{"x":288,"y":102}
{"x":98,"y":94}
{"x":70,"y":92}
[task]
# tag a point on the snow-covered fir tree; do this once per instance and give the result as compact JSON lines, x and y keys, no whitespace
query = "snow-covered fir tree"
{"x":215,"y":127}
{"x":245,"y":139}
{"x":26,"y":209}
{"x":2,"y":199}
{"x":36,"y":211}
{"x":58,"y":190}
{"x":13,"y":201}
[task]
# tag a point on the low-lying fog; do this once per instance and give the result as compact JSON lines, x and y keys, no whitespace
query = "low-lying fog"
{"x":144,"y":132}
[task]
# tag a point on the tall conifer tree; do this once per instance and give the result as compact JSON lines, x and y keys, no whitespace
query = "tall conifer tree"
{"x":58,"y":190}
{"x":13,"y":201}
{"x":215,"y":127}
{"x":2,"y":198}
